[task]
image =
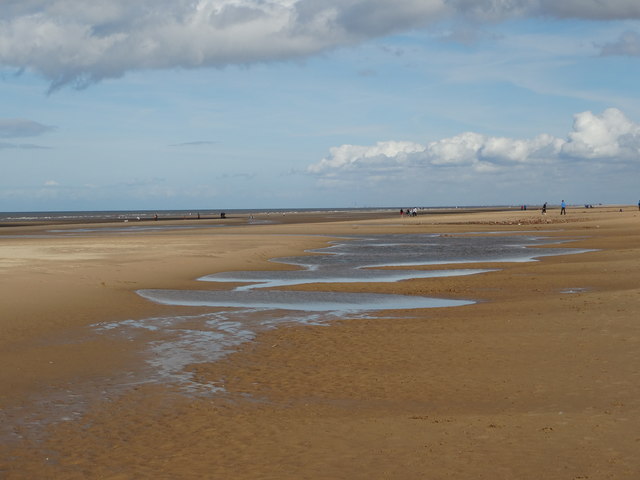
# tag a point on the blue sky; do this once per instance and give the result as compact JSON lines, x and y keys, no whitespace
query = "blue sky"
{"x":221,"y":104}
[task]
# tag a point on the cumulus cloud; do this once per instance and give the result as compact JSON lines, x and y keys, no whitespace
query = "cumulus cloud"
{"x":353,"y":158}
{"x":608,"y":137}
{"x":75,"y":42}
{"x":18,"y":128}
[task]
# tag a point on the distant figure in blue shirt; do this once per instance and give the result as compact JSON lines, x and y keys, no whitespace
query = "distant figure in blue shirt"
{"x":563,"y":208}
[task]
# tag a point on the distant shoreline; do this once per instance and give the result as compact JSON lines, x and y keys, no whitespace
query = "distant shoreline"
{"x":290,"y":215}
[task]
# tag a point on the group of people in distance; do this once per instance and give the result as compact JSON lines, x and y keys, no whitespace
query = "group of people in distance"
{"x":413,"y":212}
{"x":409,"y":212}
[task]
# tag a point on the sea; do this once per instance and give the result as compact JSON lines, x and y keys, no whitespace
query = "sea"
{"x":121,"y":215}
{"x":131,"y":215}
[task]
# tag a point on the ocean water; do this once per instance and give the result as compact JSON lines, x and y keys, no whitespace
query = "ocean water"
{"x":99,"y":216}
{"x":136,"y":221}
{"x":133,"y":215}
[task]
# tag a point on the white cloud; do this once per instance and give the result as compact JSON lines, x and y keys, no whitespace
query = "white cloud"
{"x":506,"y":150}
{"x":78,"y":42}
{"x":608,"y":137}
{"x":459,"y":150}
{"x":72,"y":41}
{"x":383,"y":155}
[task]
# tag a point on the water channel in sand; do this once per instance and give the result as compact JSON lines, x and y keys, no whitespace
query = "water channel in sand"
{"x":238,"y":314}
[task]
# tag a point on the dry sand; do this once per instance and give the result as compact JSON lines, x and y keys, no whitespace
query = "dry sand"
{"x":529,"y":383}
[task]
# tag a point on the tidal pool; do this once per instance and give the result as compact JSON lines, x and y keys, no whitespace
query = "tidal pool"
{"x":257,"y":304}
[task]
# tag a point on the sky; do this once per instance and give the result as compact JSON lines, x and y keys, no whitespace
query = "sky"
{"x":223,"y":104}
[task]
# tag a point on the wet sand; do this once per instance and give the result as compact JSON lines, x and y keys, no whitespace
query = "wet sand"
{"x":539,"y":379}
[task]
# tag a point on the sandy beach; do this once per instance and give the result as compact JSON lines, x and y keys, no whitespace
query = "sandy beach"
{"x":539,"y":379}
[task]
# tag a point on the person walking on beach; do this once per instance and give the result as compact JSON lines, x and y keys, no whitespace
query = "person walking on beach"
{"x":544,"y":208}
{"x":563,"y":208}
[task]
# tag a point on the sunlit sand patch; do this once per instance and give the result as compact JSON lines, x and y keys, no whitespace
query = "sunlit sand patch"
{"x":15,"y":255}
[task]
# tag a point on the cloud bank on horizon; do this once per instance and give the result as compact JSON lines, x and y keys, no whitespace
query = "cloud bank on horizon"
{"x":596,"y":139}
{"x":77,"y":43}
